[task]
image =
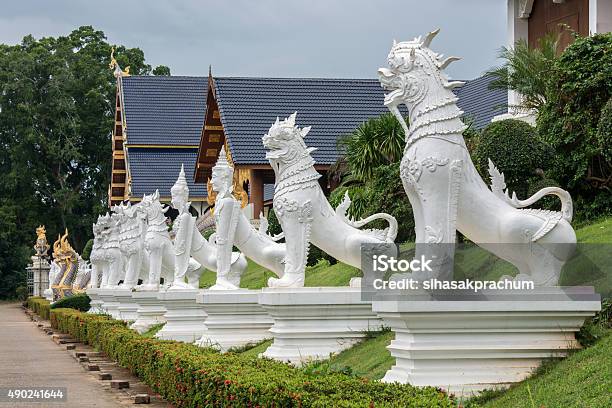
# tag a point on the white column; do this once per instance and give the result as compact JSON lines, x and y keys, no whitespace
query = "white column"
{"x":600,"y":16}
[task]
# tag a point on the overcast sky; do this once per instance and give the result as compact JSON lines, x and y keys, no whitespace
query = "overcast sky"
{"x":308,"y":38}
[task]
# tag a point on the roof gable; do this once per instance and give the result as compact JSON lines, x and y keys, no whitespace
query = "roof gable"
{"x":164,"y":110}
{"x":333,"y":107}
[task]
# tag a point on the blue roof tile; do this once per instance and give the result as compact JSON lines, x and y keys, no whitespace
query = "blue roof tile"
{"x":153,"y":169}
{"x":333,"y":107}
{"x":164,"y":110}
{"x":479,"y":103}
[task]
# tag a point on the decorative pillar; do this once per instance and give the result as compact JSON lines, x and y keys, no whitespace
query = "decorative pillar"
{"x":256,"y":192}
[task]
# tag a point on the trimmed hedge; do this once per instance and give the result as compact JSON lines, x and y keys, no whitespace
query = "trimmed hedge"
{"x":190,"y":376}
{"x":79,"y":302}
{"x":40,"y":306}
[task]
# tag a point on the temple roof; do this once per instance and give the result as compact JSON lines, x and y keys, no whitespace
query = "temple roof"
{"x":153,"y":169}
{"x":333,"y":107}
{"x":479,"y":103}
{"x":164,"y":110}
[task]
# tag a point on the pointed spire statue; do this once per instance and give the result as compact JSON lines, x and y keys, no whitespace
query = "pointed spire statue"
{"x":180,"y":187}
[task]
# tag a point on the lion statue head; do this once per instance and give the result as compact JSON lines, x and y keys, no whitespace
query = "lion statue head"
{"x":415,"y":70}
{"x":285,"y":141}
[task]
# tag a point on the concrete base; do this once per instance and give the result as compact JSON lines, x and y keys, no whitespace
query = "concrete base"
{"x":150,"y":310}
{"x":110,"y":305}
{"x":128,"y":308}
{"x":235,"y":318}
{"x":184,"y":317}
{"x":465,"y":346}
{"x":312,"y":323}
{"x":95,"y":305}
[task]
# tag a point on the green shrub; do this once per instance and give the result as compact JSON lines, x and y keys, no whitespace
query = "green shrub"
{"x":604,"y":132}
{"x":274,"y":227}
{"x":568,"y":121}
{"x":40,"y":306}
{"x":191,"y":376}
{"x":79,"y":302}
{"x":383,"y":192}
{"x":516,"y":151}
{"x":87,"y":250}
{"x":21,"y":292}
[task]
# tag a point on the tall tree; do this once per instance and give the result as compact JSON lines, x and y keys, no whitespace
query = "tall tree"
{"x":56,"y":113}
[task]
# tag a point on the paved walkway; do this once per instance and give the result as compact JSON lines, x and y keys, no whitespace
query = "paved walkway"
{"x":28,"y":358}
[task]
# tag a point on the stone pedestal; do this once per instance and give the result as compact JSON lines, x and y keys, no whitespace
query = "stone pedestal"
{"x":95,"y":305}
{"x":38,"y":276}
{"x":184,"y":317}
{"x":128,"y":308}
{"x":312,"y":323}
{"x":150,"y":310}
{"x":235,"y":318}
{"x":110,"y":305}
{"x":465,"y":346}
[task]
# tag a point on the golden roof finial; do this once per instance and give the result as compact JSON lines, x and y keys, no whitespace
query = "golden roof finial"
{"x":113,"y":64}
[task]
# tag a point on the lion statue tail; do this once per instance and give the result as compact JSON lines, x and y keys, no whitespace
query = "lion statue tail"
{"x":498,"y":187}
{"x":387,"y":235}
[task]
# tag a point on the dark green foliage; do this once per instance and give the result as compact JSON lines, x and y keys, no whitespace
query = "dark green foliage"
{"x":370,"y":174}
{"x":597,"y":326}
{"x":274,"y":227}
{"x":375,"y":142}
{"x":383,"y":192}
{"x":190,"y":376}
{"x":57,"y":98}
{"x":527,"y":70}
{"x":569,"y":121}
{"x":386,"y":194}
{"x":161,"y":70}
{"x":78,"y":302}
{"x":21,"y":292}
{"x":604,"y":132}
{"x":87,"y":250}
{"x":516,"y":151}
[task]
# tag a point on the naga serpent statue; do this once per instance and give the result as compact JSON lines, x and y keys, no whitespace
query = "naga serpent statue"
{"x":233,"y":228}
{"x":83,"y":276}
{"x":67,"y":260}
{"x":445,"y":190}
{"x":304,"y":212}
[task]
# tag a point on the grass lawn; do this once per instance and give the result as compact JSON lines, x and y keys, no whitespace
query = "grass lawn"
{"x":369,"y":358}
{"x":260,"y":348}
{"x":322,"y":274}
{"x":584,"y":379}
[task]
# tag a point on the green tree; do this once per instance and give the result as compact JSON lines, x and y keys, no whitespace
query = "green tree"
{"x":375,"y":142}
{"x":161,"y":70}
{"x":56,"y":111}
{"x":516,"y":151}
{"x":527,"y":70}
{"x":569,"y":121}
